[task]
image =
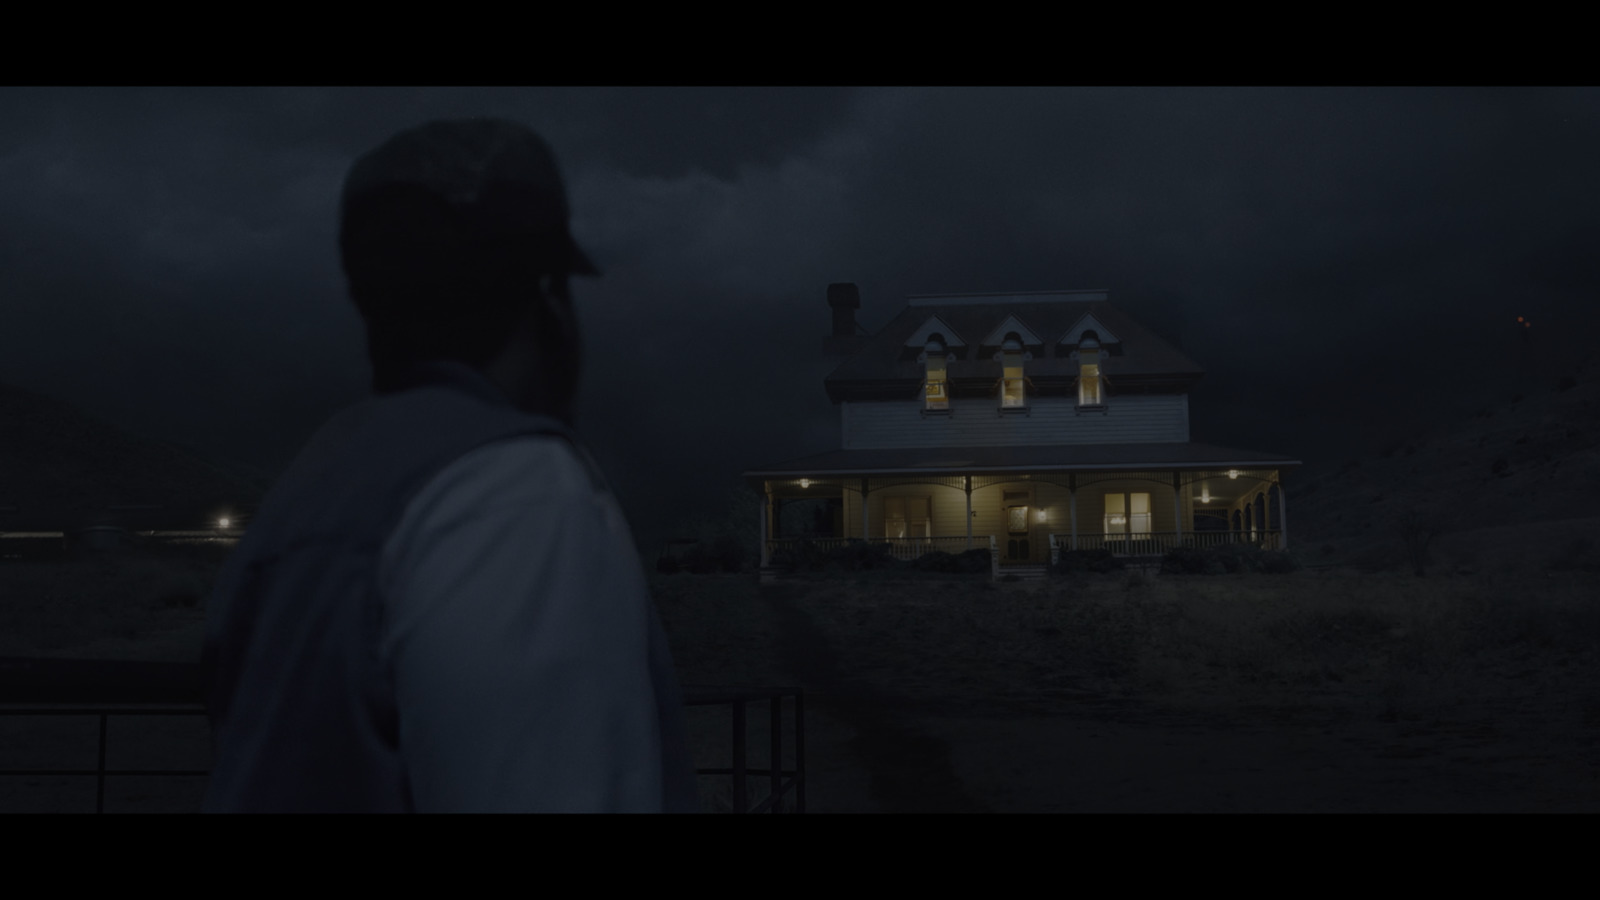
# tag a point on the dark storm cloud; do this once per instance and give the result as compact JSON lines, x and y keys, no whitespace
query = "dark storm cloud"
{"x":1342,"y":262}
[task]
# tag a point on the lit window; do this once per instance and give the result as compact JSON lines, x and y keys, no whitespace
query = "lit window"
{"x":937,"y":387}
{"x":1012,"y":393}
{"x":907,"y":517}
{"x":1089,"y":393}
{"x":1128,"y":514}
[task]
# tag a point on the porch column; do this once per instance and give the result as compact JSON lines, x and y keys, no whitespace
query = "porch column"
{"x":969,"y":512}
{"x":864,"y":519}
{"x":1177,"y":507}
{"x":1283,"y":517}
{"x":766,"y":555}
{"x":1072,"y":506}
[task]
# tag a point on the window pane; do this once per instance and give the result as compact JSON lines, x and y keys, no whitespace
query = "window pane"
{"x":1140,"y":503}
{"x":1089,"y":384}
{"x":1013,"y":392}
{"x":1017,"y":519}
{"x":937,"y":392}
{"x":1116,"y":520}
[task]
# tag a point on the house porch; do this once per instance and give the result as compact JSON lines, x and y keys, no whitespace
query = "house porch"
{"x":1027,"y":518}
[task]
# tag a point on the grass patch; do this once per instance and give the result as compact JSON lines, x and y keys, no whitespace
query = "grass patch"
{"x":1315,"y":642}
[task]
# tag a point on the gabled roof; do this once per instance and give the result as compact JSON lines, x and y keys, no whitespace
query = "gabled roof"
{"x":1012,"y":324}
{"x":1074,"y":335}
{"x":1137,"y":356}
{"x":934,"y":325}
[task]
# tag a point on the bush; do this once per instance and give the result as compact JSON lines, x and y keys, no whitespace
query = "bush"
{"x":699,"y":560}
{"x":729,"y":554}
{"x":970,"y":562}
{"x":1074,"y":562}
{"x":858,"y":556}
{"x":1230,"y":558}
{"x":1185,"y":561}
{"x":1278,"y":562}
{"x":1237,"y":557}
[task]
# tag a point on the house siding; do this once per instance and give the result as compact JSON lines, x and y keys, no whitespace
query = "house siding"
{"x":976,"y":422}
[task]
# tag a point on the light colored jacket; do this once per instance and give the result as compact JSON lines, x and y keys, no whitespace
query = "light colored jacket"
{"x":438,"y":608}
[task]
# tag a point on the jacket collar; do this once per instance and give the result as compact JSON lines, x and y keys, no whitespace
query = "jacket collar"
{"x":450,"y":374}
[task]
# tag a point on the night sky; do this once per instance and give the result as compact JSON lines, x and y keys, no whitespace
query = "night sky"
{"x":1347,"y":264}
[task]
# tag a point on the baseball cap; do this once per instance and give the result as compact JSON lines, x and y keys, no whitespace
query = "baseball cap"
{"x":498,"y":174}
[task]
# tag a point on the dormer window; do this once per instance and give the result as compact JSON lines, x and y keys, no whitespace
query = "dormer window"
{"x":936,"y":388}
{"x":1091,"y":391}
{"x":1012,"y":392}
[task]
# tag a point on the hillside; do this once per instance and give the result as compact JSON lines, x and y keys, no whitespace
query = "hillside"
{"x":60,"y":467}
{"x":1517,"y":482}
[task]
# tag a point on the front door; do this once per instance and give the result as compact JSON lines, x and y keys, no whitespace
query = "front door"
{"x":1018,"y":546}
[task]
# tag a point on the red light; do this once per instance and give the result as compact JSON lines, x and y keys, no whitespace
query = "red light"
{"x":1519,"y":318}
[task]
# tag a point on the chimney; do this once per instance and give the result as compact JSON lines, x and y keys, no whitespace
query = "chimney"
{"x":845,"y":300}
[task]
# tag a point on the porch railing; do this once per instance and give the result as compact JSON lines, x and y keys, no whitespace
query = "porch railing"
{"x":899,"y":548}
{"x":1159,"y":543}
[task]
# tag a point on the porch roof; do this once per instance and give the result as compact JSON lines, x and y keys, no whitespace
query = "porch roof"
{"x":1049,"y":458}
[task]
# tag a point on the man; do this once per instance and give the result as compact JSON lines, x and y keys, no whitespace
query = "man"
{"x":438,"y":607}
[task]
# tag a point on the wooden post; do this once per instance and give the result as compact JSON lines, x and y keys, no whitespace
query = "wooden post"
{"x":969,"y":512}
{"x":1177,"y":507}
{"x":1072,"y":506}
{"x":865,"y":521}
{"x":1283,"y":517}
{"x":766,"y":505}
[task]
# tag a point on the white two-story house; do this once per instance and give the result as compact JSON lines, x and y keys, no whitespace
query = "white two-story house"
{"x":1030,"y":423}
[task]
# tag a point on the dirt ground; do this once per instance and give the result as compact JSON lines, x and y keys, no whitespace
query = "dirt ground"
{"x":976,"y":736}
{"x":1116,"y":695}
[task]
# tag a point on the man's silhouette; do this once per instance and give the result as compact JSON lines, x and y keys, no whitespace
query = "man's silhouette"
{"x":439,"y":607}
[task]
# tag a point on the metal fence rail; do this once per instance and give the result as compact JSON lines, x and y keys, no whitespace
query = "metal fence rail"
{"x":100,"y":771}
{"x":737,"y":699}
{"x":783,"y":781}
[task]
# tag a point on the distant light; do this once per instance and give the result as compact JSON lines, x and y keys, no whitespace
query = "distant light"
{"x":1233,"y":473}
{"x":224,"y":522}
{"x":805,"y":483}
{"x":1519,"y":318}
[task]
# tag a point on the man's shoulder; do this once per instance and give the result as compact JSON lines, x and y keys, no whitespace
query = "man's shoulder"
{"x":512,"y":469}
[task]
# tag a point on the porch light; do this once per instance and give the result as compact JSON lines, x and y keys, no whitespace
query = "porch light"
{"x":1041,"y":515}
{"x":1205,"y":495}
{"x":804,"y":483}
{"x":224,"y":522}
{"x":1233,"y":473}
